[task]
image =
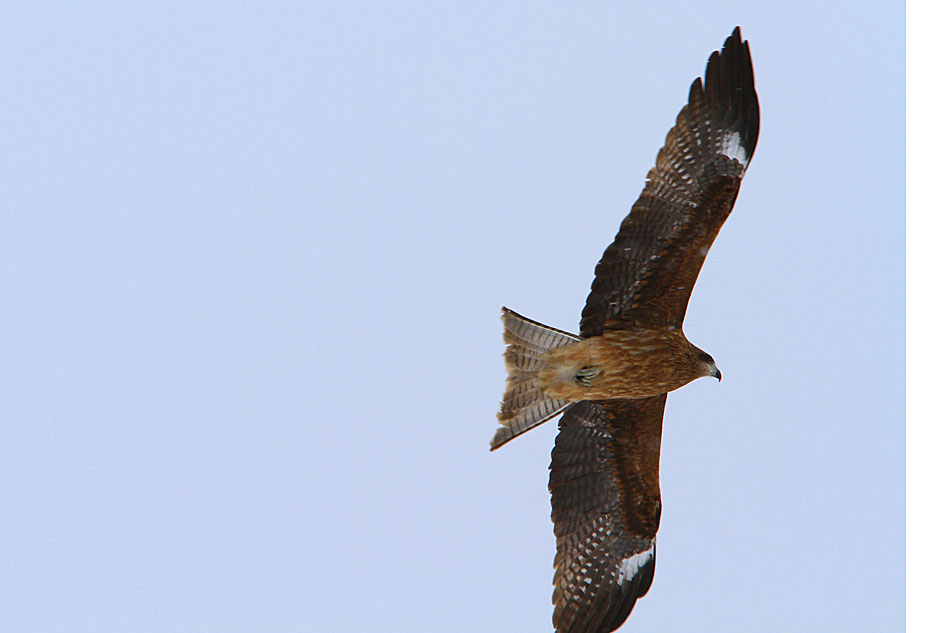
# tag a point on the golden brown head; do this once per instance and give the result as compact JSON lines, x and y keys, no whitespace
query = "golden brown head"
{"x":704,"y":364}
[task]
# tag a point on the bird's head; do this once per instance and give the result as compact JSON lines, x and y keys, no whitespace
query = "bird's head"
{"x":706,"y":366}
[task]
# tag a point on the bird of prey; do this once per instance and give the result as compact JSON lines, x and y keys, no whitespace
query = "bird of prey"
{"x":611,"y":381}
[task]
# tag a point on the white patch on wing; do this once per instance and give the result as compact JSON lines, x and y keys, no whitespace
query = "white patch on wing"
{"x":731,"y":146}
{"x":630,"y":566}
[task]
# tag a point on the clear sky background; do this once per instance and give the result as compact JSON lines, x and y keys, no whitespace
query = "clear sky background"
{"x":252,"y":259}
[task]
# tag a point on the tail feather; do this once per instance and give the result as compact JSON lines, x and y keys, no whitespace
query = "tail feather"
{"x":524,"y":405}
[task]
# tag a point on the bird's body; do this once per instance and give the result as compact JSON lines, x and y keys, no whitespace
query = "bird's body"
{"x":611,"y":381}
{"x":628,"y":363}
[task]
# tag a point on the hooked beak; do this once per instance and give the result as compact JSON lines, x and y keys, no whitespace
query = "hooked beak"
{"x":717,"y":375}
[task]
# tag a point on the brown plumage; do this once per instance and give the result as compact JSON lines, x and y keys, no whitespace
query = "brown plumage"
{"x":611,"y":381}
{"x":629,"y":363}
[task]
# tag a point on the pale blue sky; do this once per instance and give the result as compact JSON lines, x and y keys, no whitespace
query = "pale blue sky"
{"x":253,"y":258}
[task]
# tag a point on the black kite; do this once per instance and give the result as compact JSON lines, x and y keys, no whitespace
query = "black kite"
{"x":611,"y":381}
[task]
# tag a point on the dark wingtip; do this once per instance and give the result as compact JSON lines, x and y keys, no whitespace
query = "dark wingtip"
{"x":730,"y":88}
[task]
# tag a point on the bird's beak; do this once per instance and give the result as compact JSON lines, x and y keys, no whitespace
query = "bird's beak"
{"x":718,"y":375}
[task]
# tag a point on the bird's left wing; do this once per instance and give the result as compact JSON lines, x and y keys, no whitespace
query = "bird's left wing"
{"x":647,"y":274}
{"x":605,"y":500}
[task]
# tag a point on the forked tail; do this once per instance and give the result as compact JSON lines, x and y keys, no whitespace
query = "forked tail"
{"x":524,"y":405}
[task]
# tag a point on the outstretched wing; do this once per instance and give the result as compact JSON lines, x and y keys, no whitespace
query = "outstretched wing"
{"x":605,"y":500}
{"x":647,"y":274}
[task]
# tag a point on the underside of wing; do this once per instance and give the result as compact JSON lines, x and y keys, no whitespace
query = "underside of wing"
{"x":605,"y":500}
{"x":648,"y":272}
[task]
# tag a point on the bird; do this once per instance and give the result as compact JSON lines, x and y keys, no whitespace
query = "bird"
{"x":610,"y":382}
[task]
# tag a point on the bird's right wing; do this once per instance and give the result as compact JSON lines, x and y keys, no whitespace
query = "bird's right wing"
{"x":605,"y":500}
